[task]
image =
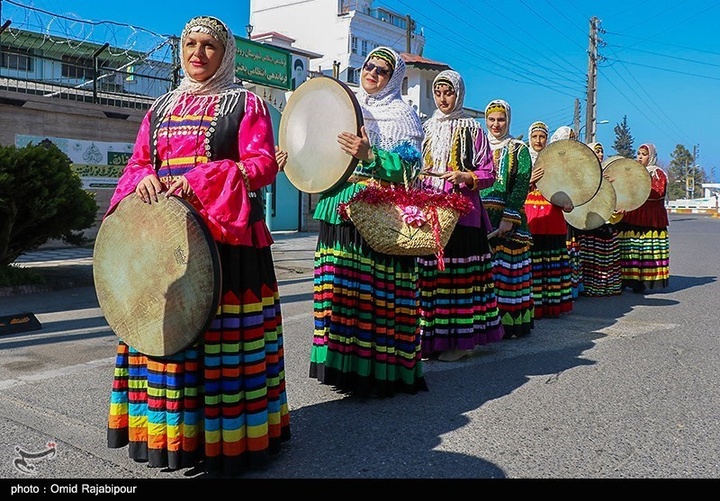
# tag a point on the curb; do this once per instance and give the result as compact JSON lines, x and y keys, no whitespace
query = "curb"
{"x":24,"y":289}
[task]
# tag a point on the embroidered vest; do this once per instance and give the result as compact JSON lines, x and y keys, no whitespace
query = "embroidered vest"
{"x":221,"y":143}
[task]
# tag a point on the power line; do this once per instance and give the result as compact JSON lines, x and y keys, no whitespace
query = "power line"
{"x":694,"y":61}
{"x":665,"y":69}
{"x":529,"y":76}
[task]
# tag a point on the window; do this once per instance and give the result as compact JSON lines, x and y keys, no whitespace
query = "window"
{"x":352,"y":75}
{"x":16,"y":58}
{"x":78,"y":68}
{"x":429,"y":89}
{"x":111,"y":87}
{"x":353,"y":45}
{"x":364,"y":48}
{"x":405,"y":86}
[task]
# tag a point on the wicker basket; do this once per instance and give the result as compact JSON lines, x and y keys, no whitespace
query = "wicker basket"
{"x":385,"y":229}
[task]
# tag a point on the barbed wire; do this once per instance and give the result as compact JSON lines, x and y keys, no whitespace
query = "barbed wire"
{"x":75,"y":33}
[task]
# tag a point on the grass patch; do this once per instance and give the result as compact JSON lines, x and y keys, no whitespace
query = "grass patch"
{"x":11,"y":276}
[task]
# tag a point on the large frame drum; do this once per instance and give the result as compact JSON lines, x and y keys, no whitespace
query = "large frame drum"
{"x":316,"y":113}
{"x":157,"y":274}
{"x":598,"y":211}
{"x":572,"y":172}
{"x":631,"y":181}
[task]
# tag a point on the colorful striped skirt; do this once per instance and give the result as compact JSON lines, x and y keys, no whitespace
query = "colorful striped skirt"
{"x":576,"y":276}
{"x":220,"y":404}
{"x":644,"y":257}
{"x":551,"y":276}
{"x":600,"y":261}
{"x":458,"y":306}
{"x":512,"y":268}
{"x":366,"y":338}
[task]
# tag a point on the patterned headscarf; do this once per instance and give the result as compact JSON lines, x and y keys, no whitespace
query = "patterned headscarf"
{"x":389,"y":121}
{"x":440,"y":128}
{"x":222,"y":82}
{"x":501,"y":106}
{"x":652,"y":165}
{"x":541,"y":126}
{"x":453,"y":80}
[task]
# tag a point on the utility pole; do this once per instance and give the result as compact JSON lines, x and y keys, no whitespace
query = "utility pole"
{"x":408,"y":33}
{"x":576,"y":119}
{"x":591,"y":104}
{"x":690,"y":175}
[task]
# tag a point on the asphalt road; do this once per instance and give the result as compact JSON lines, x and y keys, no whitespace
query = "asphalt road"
{"x":624,"y":387}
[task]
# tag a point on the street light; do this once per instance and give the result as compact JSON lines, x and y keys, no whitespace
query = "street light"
{"x":249,"y":29}
{"x":599,"y":122}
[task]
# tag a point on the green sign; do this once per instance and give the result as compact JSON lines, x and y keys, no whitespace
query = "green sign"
{"x":262,"y":64}
{"x":118,"y":157}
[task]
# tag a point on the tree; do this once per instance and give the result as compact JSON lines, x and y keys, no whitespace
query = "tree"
{"x":623,"y":140}
{"x":684,"y":176}
{"x":41,"y":198}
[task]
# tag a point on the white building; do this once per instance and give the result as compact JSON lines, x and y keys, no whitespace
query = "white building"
{"x":344,"y":32}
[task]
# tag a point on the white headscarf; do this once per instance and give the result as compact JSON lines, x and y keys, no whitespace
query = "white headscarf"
{"x":390,"y":121}
{"x":221,"y":83}
{"x":542,"y":126}
{"x":440,"y":128}
{"x":594,"y":146}
{"x":493,"y":106}
{"x":452,"y":78}
{"x":563,"y":132}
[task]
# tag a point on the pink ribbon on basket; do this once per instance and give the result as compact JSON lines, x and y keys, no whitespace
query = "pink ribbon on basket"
{"x":435,"y":223}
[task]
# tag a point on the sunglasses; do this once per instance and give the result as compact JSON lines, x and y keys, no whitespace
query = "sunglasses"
{"x":383,"y":72}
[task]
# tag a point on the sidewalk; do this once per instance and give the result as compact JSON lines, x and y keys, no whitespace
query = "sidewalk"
{"x":70,"y":267}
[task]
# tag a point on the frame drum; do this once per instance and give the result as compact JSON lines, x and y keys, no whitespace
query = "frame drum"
{"x":609,"y":160}
{"x":631,"y":181}
{"x":598,"y":211}
{"x":572,"y":172}
{"x":157,"y":274}
{"x":316,"y":113}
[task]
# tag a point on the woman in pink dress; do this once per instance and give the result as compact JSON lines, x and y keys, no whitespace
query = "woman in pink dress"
{"x":221,"y":403}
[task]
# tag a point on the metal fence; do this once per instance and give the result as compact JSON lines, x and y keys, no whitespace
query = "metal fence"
{"x":63,"y":57}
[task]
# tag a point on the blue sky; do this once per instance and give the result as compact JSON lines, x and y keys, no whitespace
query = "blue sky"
{"x":660,"y":66}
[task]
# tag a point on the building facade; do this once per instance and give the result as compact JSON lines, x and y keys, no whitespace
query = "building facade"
{"x":350,"y":30}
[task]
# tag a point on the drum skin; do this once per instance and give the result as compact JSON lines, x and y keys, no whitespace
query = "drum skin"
{"x":572,"y":172}
{"x":631,"y":181}
{"x":611,"y":159}
{"x":598,"y":211}
{"x":157,"y":274}
{"x":316,"y":113}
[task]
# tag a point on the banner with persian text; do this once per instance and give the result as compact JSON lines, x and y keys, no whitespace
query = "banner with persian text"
{"x":98,"y":163}
{"x":263,"y":64}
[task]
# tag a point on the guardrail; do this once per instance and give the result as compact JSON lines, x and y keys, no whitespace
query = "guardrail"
{"x":694,"y":206}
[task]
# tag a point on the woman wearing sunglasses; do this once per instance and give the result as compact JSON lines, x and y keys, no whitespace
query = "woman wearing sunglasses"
{"x":366,"y":338}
